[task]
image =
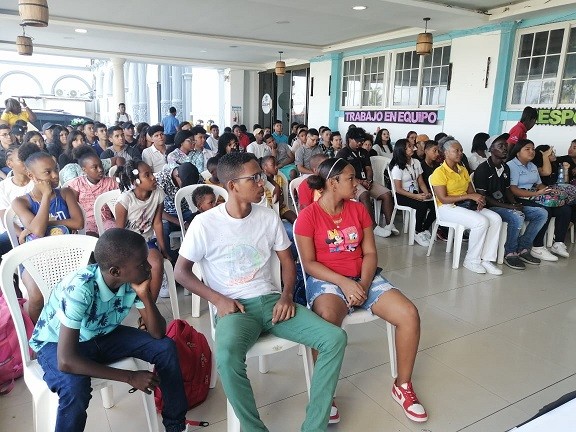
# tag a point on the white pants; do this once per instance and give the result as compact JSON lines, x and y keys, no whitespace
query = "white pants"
{"x":484,"y":228}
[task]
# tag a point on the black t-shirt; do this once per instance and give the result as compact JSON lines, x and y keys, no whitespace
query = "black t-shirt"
{"x":487,"y":181}
{"x":359,"y":159}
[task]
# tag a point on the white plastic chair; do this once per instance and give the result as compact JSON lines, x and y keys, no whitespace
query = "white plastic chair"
{"x":186,"y":193}
{"x":455,"y":234}
{"x":265,"y":345}
{"x":550,"y":232}
{"x":293,"y":187}
{"x":359,"y":316}
{"x":264,"y":201}
{"x":107,"y":198}
{"x":48,"y":260}
{"x":379,"y":164}
{"x":205,"y":174}
{"x":408,"y":215}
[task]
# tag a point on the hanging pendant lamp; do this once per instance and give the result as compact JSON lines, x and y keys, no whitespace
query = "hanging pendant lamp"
{"x":24,"y":43}
{"x":280,"y":66}
{"x":424,"y":41}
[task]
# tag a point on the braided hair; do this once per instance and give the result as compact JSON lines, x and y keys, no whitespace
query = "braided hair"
{"x":127,"y":175}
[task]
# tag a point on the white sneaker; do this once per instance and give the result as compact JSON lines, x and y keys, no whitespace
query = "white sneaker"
{"x":164,"y":292}
{"x":428,"y":235}
{"x":476,"y":268}
{"x":491,"y":268}
{"x":421,"y":239}
{"x":392,"y":228}
{"x":543,"y":254}
{"x":559,"y":248}
{"x":382,"y":232}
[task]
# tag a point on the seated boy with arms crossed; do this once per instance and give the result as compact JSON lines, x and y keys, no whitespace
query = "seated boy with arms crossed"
{"x":236,"y":261}
{"x":79,"y":332}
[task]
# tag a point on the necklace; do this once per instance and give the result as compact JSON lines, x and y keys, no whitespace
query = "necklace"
{"x":337,"y":218}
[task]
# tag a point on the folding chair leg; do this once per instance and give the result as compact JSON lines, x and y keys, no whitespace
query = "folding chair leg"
{"x":459,"y":233}
{"x":169,"y":271}
{"x":308,"y":367}
{"x":432,"y":238}
{"x":150,"y":412}
{"x":411,"y":227}
{"x":391,"y":330}
{"x":233,"y":422}
{"x":263,"y":364}
{"x":450,"y":243}
{"x":107,"y":394}
{"x":195,"y":306}
{"x":214,"y":375}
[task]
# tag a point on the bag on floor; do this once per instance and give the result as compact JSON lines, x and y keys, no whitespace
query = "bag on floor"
{"x":195,"y":359}
{"x":10,"y":358}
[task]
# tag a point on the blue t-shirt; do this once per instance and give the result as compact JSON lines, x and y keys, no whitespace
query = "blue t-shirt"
{"x":83,"y":301}
{"x":170,"y":124}
{"x":58,"y":207}
{"x":523,"y":176}
{"x":279,"y":138}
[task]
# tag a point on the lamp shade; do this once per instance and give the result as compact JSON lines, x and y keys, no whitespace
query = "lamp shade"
{"x":280,"y":68}
{"x":33,"y":12}
{"x":424,"y":44}
{"x":24,"y":45}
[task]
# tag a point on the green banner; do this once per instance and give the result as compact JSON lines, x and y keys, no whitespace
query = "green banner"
{"x":556,"y":116}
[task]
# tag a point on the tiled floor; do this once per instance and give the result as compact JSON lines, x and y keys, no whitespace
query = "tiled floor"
{"x":493,"y":351}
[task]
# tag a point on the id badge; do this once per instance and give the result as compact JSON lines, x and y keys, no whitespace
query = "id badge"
{"x":363,"y":175}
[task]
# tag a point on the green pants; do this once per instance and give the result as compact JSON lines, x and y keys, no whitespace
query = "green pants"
{"x":236,"y":333}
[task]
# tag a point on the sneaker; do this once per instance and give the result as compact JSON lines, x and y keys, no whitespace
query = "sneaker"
{"x":527,"y":257}
{"x":491,"y":268}
{"x":476,"y":268}
{"x":382,"y":232}
{"x":392,"y":228}
{"x":442,"y":235}
{"x":334,"y":415}
{"x":405,"y":396}
{"x":421,"y":239}
{"x":514,"y":261}
{"x":543,"y":254}
{"x":428,"y":235}
{"x":164,"y":292}
{"x":559,"y":248}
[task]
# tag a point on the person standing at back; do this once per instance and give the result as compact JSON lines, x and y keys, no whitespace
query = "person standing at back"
{"x":122,"y":116}
{"x":170,"y":124}
{"x":519,"y":130}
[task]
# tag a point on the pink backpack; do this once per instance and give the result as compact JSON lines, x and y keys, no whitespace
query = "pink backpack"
{"x":10,"y":358}
{"x":195,"y":358}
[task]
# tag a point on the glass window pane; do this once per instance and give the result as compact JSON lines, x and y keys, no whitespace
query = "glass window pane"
{"x":426,"y":75}
{"x":570,"y":68}
{"x":435,"y":76}
{"x":399,"y":61}
{"x":398,"y":79}
{"x":414,"y":78}
{"x":533,"y":92}
{"x":536,"y":67}
{"x":437,"y":57}
{"x":555,"y":43}
{"x":522,"y":69}
{"x":540,"y":43}
{"x":428,"y":60}
{"x":526,"y":45}
{"x":444,"y":75}
{"x":446,"y":55}
{"x":572,"y":41}
{"x":568,"y":92}
{"x":517,"y":93}
{"x":547,"y":93}
{"x":551,"y":68}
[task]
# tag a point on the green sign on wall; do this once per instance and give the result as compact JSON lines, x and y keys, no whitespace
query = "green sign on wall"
{"x":556,"y":116}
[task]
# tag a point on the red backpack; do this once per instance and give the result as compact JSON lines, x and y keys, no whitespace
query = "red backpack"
{"x":10,"y":358}
{"x":195,"y":358}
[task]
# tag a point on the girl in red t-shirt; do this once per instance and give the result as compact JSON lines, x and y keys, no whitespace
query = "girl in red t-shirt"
{"x":338,"y":252}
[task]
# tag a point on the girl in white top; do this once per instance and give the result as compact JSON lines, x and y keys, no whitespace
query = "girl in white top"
{"x":139,"y":209}
{"x":383,"y":143}
{"x":479,"y":150}
{"x":411,"y":189}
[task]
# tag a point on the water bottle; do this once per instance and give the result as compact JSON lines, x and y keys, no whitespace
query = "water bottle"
{"x":560,"y":174}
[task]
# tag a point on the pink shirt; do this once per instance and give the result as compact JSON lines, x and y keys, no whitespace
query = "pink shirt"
{"x":87,"y":194}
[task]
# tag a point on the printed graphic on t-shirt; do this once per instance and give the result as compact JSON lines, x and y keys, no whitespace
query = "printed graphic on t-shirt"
{"x":243,"y":262}
{"x":140,"y":225}
{"x":345,"y":240}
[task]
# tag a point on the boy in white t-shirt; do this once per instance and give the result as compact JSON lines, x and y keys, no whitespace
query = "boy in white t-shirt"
{"x":236,"y":261}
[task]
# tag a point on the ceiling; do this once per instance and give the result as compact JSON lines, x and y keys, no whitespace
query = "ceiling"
{"x":247,"y":34}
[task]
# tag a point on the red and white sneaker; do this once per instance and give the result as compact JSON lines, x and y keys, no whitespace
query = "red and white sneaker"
{"x":405,"y":396}
{"x":334,"y":415}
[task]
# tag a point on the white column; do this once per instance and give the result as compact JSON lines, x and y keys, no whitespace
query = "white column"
{"x":221,"y":100}
{"x":176,"y":90}
{"x":132,"y":85}
{"x":118,"y":88}
{"x":187,"y":96}
{"x":165,"y":90}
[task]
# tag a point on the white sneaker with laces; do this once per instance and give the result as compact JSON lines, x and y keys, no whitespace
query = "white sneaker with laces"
{"x":421,"y":239}
{"x":382,"y":232}
{"x":543,"y":254}
{"x":559,"y":248}
{"x":491,"y":268}
{"x":476,"y":268}
{"x":392,"y":228}
{"x":164,"y":292}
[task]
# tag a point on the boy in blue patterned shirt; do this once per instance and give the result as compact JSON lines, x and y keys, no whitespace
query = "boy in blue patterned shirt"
{"x":79,"y":332}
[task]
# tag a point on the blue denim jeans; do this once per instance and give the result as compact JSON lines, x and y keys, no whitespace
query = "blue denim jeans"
{"x":290,"y":233}
{"x":536,"y":218}
{"x":75,"y":391}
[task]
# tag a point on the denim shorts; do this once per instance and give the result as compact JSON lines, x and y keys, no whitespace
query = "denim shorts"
{"x":316,"y":287}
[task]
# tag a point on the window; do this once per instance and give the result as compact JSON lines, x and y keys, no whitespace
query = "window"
{"x":406,"y":78}
{"x":351,"y":86}
{"x":373,"y":82}
{"x":435,"y":76}
{"x":545,"y":69}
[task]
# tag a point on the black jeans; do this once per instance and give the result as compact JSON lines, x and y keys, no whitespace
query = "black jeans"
{"x":425,"y":214}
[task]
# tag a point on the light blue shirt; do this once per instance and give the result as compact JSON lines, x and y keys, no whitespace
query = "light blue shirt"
{"x":170,"y":124}
{"x":83,"y":301}
{"x":279,"y":138}
{"x":523,"y":176}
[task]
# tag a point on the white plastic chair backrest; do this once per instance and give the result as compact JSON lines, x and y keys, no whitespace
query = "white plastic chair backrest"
{"x":379,"y":164}
{"x":206,"y":174}
{"x":186,"y":193}
{"x":277,"y":280}
{"x":293,"y":187}
{"x":264,"y":201}
{"x":109,"y":198}
{"x":48,"y":260}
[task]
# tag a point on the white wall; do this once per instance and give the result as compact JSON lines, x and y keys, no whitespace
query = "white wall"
{"x":469,"y":103}
{"x":244,"y":93}
{"x":319,"y":104}
{"x":236,"y":95}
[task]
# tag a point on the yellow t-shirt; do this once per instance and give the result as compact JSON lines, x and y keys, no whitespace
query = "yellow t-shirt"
{"x":456,"y":182}
{"x":269,"y":196}
{"x":12,"y":118}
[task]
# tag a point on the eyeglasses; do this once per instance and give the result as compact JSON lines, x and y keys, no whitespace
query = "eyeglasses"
{"x":256,"y":178}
